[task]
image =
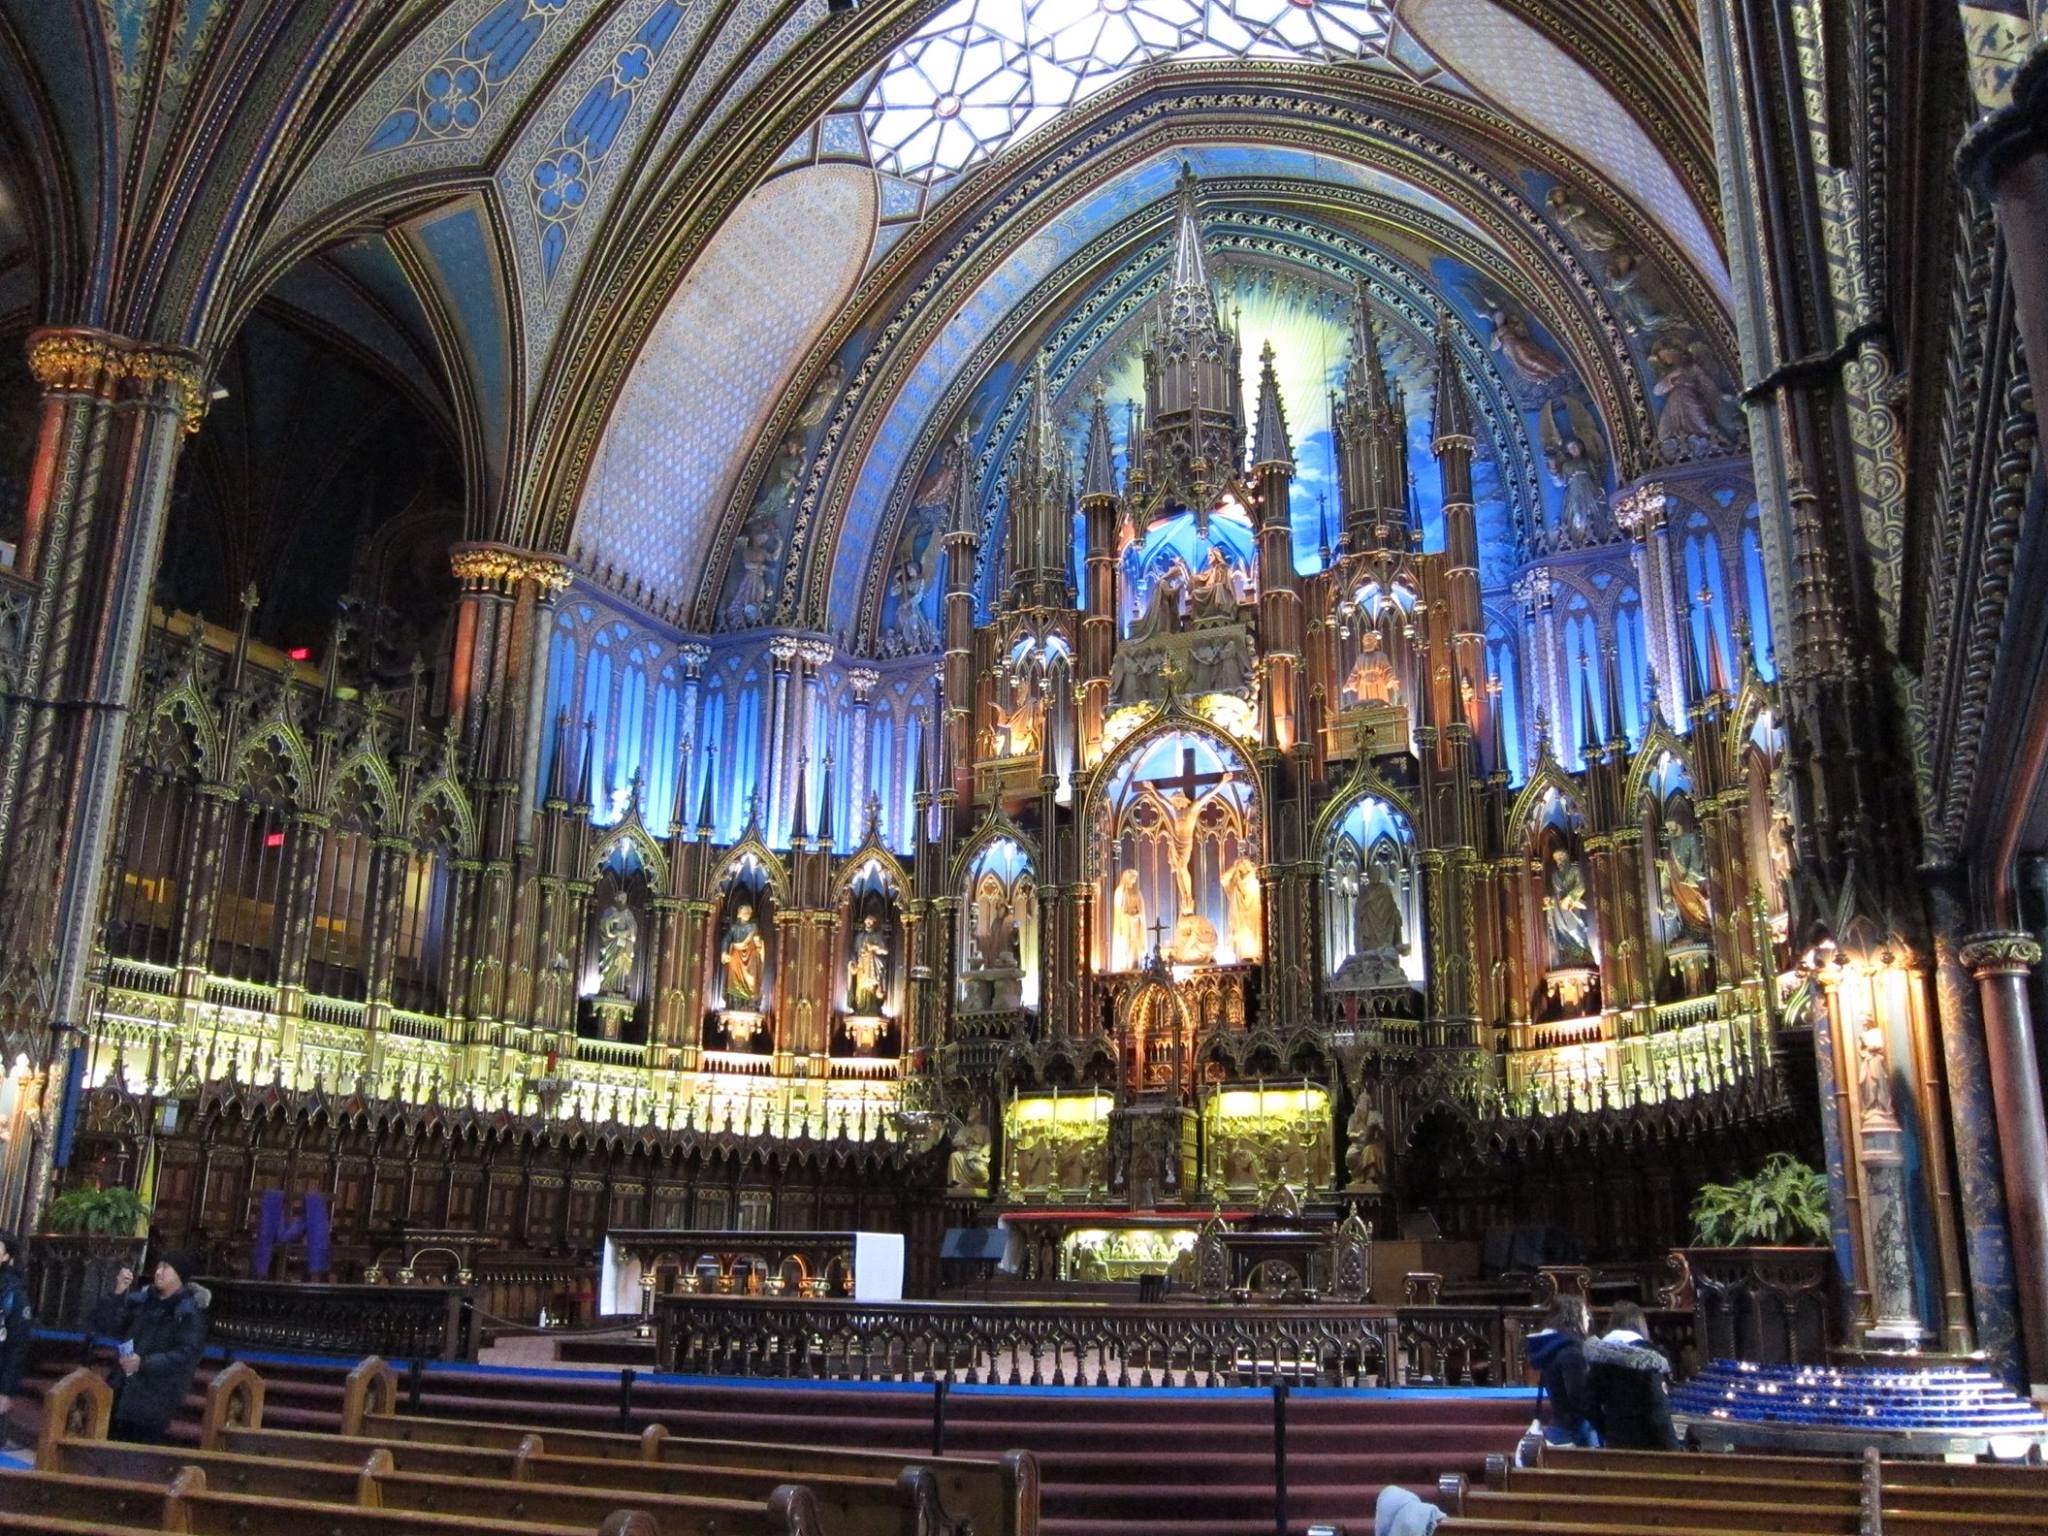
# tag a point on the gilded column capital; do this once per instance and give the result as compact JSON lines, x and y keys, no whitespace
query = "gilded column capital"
{"x":2000,"y":954}
{"x":1639,"y":511}
{"x":500,"y":568}
{"x":693,"y":656}
{"x":782,"y":650}
{"x":863,"y":680}
{"x":79,"y":360}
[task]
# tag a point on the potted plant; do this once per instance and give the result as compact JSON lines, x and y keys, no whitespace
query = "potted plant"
{"x":1783,"y":1204}
{"x":1761,"y":1271}
{"x":87,"y":1234}
{"x":117,"y":1212}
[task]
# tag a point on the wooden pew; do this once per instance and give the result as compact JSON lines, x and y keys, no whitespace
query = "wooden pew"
{"x":72,"y":1448}
{"x":1742,"y":1466}
{"x":2029,"y":1497}
{"x":996,"y":1495}
{"x":188,"y":1506}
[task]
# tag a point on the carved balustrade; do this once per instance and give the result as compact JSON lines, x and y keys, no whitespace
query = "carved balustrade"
{"x":1085,"y":1344}
{"x":422,"y":1322}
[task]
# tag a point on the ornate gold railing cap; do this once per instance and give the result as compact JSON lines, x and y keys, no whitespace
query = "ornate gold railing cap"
{"x":2000,"y":954}
{"x":502,"y":567}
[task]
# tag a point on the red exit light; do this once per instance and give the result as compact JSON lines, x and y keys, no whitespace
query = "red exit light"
{"x":301,"y":653}
{"x":273,"y":839}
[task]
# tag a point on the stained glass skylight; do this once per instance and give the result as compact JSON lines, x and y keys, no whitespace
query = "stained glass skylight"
{"x":980,"y":72}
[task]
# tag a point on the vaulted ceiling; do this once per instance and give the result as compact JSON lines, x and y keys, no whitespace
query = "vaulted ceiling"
{"x":651,"y":261}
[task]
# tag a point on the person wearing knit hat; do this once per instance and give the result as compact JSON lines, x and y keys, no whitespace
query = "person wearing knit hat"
{"x":157,"y":1362}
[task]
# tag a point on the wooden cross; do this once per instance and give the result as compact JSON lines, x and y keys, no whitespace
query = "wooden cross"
{"x":1158,"y":935}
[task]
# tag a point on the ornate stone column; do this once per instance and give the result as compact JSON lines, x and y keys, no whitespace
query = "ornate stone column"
{"x":776,"y":760}
{"x":113,"y":417}
{"x":2002,"y":963}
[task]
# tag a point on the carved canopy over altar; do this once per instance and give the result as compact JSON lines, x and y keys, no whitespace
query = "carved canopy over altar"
{"x":1176,"y":841}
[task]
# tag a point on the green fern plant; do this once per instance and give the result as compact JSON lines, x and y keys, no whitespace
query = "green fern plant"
{"x":1784,"y":1202}
{"x":116,"y":1212}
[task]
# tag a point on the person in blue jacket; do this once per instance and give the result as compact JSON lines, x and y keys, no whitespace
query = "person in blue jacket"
{"x":167,"y":1335}
{"x":16,"y":1329}
{"x":1558,"y":1350}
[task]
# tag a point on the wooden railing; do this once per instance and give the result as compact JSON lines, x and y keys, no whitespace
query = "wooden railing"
{"x":1090,"y":1344}
{"x":1774,"y":1306}
{"x":399,"y":1322}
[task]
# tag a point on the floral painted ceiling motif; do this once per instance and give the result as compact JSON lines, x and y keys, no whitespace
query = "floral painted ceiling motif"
{"x":982,"y":72}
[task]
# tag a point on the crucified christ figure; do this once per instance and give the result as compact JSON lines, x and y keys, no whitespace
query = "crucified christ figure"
{"x":1181,"y":815}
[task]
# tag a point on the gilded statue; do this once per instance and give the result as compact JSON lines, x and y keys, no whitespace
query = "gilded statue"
{"x":1180,"y":815}
{"x":1128,"y":917}
{"x":618,"y":942}
{"x":742,"y":957}
{"x":1241,"y":902}
{"x":867,"y":973}
{"x":1564,"y":911}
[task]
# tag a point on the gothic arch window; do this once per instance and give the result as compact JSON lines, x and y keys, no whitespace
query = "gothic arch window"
{"x":1582,"y":673}
{"x":142,"y":909}
{"x":881,"y":762}
{"x":337,"y":949}
{"x":845,"y":793}
{"x":1756,"y":591}
{"x":1372,"y":900}
{"x":1706,"y":590}
{"x":711,"y":751}
{"x":742,"y":760}
{"x":665,"y":754}
{"x":1631,"y":658}
{"x":627,"y":755}
{"x":561,"y":694}
{"x":597,"y":700}
{"x":247,"y":917}
{"x":1504,"y":665}
{"x":913,"y":743}
{"x":981,"y":72}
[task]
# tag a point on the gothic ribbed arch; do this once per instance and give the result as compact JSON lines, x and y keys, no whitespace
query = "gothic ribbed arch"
{"x":1171,"y":720}
{"x":590,"y":363}
{"x":1228,"y":225}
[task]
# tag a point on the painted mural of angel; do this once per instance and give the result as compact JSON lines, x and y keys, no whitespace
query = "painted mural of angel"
{"x":1576,"y":455}
{"x":778,"y":486}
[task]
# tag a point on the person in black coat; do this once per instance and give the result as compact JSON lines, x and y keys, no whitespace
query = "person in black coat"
{"x":110,"y":1314}
{"x":1631,"y":1409}
{"x":1557,"y":1349}
{"x":167,"y":1335}
{"x":16,"y":1329}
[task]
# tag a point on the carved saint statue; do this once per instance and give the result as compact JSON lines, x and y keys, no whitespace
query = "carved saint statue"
{"x":618,"y":941}
{"x":867,"y":973}
{"x":1685,"y":877}
{"x":1181,"y":816}
{"x":1018,"y":728}
{"x":1564,"y":910}
{"x":741,"y":957}
{"x":1214,"y":595}
{"x":1366,"y":1157}
{"x":1372,"y":679}
{"x":1689,"y":396}
{"x":1241,"y":898}
{"x":1128,"y":914}
{"x":967,"y":1164}
{"x":1162,"y":609}
{"x":995,"y":930}
{"x":1380,"y":942}
{"x":914,"y":631}
{"x":1873,"y":1072}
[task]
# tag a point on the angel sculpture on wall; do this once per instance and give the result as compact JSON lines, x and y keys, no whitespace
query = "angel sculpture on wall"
{"x":1578,"y":466}
{"x":1533,"y":365}
{"x":1686,"y":425}
{"x":914,"y":632}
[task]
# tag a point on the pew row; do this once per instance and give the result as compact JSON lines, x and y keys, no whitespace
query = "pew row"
{"x":993,"y":1495}
{"x":76,"y":1464}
